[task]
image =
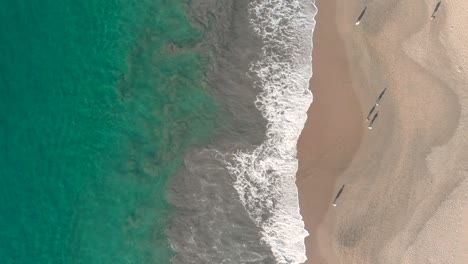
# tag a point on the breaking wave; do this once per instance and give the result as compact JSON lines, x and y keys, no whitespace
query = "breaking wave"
{"x":265,"y":176}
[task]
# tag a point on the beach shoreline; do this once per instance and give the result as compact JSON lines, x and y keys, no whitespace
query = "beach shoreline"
{"x":406,"y":181}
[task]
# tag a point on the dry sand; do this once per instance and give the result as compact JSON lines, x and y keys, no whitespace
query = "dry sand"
{"x":405,"y":199}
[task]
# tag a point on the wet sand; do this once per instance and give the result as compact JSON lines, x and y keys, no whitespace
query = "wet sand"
{"x":405,"y":199}
{"x":332,"y":132}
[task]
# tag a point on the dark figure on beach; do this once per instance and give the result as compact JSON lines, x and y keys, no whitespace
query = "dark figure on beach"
{"x":377,"y":103}
{"x":370,"y":112}
{"x":436,"y":9}
{"x":358,"y":21}
{"x":338,"y":195}
{"x":373,"y":120}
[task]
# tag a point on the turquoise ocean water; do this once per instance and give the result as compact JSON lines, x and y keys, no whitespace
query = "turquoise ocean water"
{"x":99,"y":100}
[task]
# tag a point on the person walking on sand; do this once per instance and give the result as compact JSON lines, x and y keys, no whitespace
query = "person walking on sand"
{"x":370,"y":113}
{"x":435,"y":10}
{"x":338,"y":195}
{"x":371,"y":125}
{"x":358,"y":21}
{"x":377,"y":103}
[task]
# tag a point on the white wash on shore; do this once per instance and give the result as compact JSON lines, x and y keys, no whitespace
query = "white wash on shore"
{"x":265,"y":177}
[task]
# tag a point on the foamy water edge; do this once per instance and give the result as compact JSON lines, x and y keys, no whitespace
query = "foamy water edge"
{"x":265,"y":177}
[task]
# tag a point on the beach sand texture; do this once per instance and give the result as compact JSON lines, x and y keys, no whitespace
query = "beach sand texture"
{"x":406,"y":180}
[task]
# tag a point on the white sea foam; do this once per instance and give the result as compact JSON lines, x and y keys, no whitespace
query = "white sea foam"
{"x":265,"y":177}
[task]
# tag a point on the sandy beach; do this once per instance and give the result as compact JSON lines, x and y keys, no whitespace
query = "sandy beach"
{"x":405,"y":180}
